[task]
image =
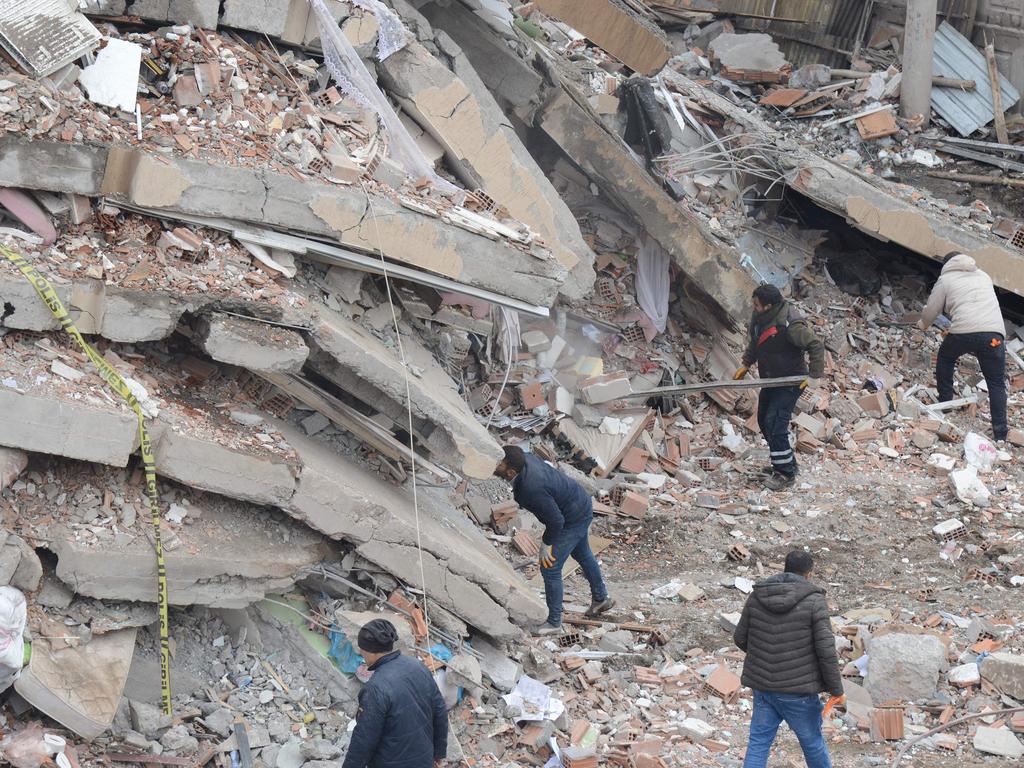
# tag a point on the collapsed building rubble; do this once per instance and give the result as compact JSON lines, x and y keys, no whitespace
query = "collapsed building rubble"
{"x":340,"y":250}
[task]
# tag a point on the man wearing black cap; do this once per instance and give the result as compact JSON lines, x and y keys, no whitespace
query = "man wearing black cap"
{"x":402,"y":720}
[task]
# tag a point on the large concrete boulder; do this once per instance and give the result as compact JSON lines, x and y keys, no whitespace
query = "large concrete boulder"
{"x":904,"y":667}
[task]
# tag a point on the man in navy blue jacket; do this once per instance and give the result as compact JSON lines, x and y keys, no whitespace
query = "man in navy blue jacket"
{"x":566,"y":511}
{"x":402,"y":720}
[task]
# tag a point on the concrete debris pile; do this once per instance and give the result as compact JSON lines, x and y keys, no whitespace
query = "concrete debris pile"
{"x":338,"y":250}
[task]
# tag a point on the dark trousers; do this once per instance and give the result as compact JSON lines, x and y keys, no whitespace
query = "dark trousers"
{"x":774,"y":410}
{"x":990,"y":350}
{"x":573,"y":541}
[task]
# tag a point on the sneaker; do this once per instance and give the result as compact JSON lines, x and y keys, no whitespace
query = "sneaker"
{"x":599,"y":606}
{"x":546,"y":630}
{"x":778,"y":481}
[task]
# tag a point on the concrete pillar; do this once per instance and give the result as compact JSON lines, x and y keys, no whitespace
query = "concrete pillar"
{"x":918,"y":41}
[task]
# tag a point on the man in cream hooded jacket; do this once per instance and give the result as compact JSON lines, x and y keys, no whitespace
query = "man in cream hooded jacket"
{"x":966,"y":295}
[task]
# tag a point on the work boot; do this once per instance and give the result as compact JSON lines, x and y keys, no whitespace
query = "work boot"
{"x":778,"y":481}
{"x":597,"y":607}
{"x":546,"y":630}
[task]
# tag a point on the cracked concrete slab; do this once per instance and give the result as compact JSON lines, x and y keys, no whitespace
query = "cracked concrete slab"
{"x":463,"y":574}
{"x":316,"y":486}
{"x":267,"y":198}
{"x":459,"y":112}
{"x":230,"y":556}
{"x":712,"y":265}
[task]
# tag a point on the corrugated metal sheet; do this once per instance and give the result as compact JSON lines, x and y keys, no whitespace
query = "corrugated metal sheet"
{"x":966,"y":111}
{"x":44,"y":35}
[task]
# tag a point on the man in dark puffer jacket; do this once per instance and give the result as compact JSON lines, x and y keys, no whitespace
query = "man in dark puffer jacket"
{"x":791,"y":658}
{"x":402,"y":720}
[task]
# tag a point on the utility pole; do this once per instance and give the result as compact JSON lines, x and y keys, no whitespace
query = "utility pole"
{"x":918,"y":43}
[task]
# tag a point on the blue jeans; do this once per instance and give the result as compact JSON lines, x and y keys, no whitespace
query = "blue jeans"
{"x":802,"y":713}
{"x":990,"y":351}
{"x":774,"y":410}
{"x":573,"y":541}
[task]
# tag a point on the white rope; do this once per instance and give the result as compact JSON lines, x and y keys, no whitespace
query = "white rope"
{"x":408,"y":400}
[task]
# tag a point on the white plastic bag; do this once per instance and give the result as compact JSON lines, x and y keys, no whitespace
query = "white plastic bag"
{"x":12,"y":631}
{"x":980,"y":452}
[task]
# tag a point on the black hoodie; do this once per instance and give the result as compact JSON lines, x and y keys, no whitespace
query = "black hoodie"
{"x":786,"y":634}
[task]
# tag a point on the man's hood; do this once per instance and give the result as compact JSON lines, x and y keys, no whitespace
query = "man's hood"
{"x":960,"y":263}
{"x":782,"y":592}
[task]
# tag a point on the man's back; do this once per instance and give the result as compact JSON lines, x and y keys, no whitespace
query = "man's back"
{"x":786,"y":634}
{"x":968,"y":297}
{"x":539,"y":482}
{"x":407,"y":712}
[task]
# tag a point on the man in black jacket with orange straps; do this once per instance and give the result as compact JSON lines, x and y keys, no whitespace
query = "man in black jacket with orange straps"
{"x":791,"y":658}
{"x":780,"y":343}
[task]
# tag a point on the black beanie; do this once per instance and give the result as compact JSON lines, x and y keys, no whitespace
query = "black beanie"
{"x":377,"y":636}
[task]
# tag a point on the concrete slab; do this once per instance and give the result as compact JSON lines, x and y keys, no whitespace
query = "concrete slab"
{"x":463,"y":573}
{"x":459,"y":112}
{"x":209,"y":466}
{"x":229,"y":557}
{"x":65,"y":428}
{"x":711,"y":265}
{"x":252,"y":345}
{"x":367,"y":224}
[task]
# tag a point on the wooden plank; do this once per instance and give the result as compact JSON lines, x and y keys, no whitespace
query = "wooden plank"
{"x":997,"y":97}
{"x":580,"y":621}
{"x":980,"y":157}
{"x":975,"y":178}
{"x":709,"y":386}
{"x":638,"y":426}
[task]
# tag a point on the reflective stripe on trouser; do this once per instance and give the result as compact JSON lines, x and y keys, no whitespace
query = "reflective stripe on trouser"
{"x":782,"y":458}
{"x":774,"y":410}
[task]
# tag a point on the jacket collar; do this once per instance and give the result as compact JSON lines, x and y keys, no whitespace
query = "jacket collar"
{"x":384,"y":660}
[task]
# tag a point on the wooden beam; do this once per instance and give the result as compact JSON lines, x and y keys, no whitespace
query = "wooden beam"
{"x":710,"y":386}
{"x":973,"y":178}
{"x":997,"y":97}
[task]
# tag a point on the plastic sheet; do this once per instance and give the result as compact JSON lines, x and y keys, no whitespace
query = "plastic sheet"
{"x":12,"y":630}
{"x":652,"y":281}
{"x":353,"y":78}
{"x":391,"y":33}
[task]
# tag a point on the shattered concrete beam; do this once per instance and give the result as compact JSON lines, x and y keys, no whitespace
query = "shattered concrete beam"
{"x":712,"y":265}
{"x":325,"y":491}
{"x":365,"y":223}
{"x":460,"y":113}
{"x":617,"y":29}
{"x":354,"y":360}
{"x":361,"y":365}
{"x":115,"y":313}
{"x":866,"y":204}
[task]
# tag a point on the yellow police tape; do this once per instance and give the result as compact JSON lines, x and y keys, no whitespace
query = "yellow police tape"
{"x":116,"y":383}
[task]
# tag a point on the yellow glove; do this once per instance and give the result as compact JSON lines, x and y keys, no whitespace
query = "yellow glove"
{"x":741,"y":372}
{"x":547,"y":556}
{"x":804,"y":383}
